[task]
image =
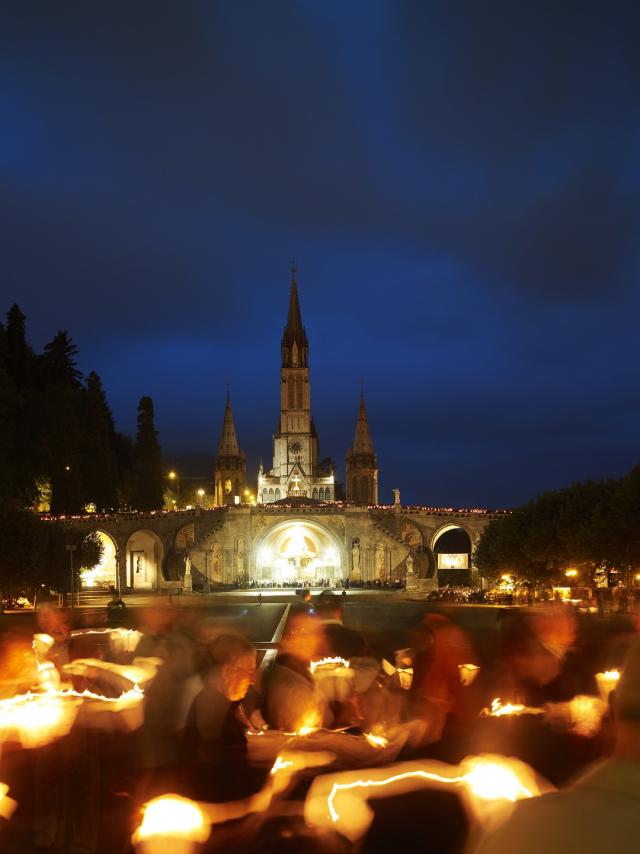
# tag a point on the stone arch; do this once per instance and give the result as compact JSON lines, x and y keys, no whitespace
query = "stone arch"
{"x":450,"y":526}
{"x":104,"y":574}
{"x":144,"y":554}
{"x":452,"y":547}
{"x":299,"y":549}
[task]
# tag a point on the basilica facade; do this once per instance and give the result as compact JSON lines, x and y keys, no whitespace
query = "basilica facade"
{"x":296,"y":471}
{"x":301,"y":527}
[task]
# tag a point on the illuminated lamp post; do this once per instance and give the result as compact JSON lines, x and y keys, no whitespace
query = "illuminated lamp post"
{"x":71,"y":549}
{"x":201,"y":497}
{"x":173,"y":476}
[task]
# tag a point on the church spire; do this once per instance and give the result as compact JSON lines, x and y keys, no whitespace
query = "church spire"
{"x":361,"y":471}
{"x":228,"y":441}
{"x":294,"y":345}
{"x":230,"y":467}
{"x":362,"y":443}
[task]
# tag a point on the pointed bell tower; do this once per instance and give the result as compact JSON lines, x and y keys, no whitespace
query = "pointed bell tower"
{"x":361,"y":471}
{"x":296,"y":471}
{"x":231,"y":466}
{"x":296,"y":442}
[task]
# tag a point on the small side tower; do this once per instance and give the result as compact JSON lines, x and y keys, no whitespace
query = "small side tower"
{"x":231,"y":464}
{"x":361,"y":471}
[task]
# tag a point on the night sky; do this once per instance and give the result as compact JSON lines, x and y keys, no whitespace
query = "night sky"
{"x":458,"y":182}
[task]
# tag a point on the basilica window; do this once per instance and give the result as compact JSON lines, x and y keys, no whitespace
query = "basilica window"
{"x":277,"y":494}
{"x":291,"y":392}
{"x":315,"y":493}
{"x":299,"y":395}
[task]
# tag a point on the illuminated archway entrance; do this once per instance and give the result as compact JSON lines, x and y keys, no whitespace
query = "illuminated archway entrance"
{"x":104,"y":574}
{"x":298,"y":551}
{"x":145,"y":556}
{"x":452,"y":547}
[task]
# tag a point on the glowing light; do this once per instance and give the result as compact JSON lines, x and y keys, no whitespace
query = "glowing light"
{"x":493,"y":781}
{"x":571,"y":573}
{"x":330,"y":663}
{"x":499,"y":709}
{"x":607,"y":681}
{"x":468,"y":673}
{"x":376,"y":740}
{"x":341,"y":800}
{"x":280,"y":764}
{"x":7,"y":804}
{"x":39,"y":719}
{"x":172,"y":816}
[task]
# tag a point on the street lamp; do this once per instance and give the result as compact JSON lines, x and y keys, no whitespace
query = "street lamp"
{"x":71,"y":549}
{"x":173,"y":476}
{"x":201,"y":496}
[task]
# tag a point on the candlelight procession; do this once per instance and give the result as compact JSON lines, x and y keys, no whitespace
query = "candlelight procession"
{"x":181,"y":731}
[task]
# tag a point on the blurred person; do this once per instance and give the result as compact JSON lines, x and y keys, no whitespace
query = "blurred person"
{"x":436,"y":692}
{"x":215,"y":744}
{"x":57,"y":623}
{"x":156,"y":624}
{"x":115,"y":609}
{"x":337,"y":639}
{"x":167,"y":698}
{"x":290,"y":698}
{"x":599,"y":812}
{"x":543,"y":656}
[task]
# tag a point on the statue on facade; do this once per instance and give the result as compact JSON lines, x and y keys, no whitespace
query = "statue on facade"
{"x":409,"y":563}
{"x":396,"y":497}
{"x":355,"y":555}
{"x":380,"y":560}
{"x":240,"y":557}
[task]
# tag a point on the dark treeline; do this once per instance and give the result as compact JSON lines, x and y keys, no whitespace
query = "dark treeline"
{"x":591,"y":527}
{"x":60,"y":452}
{"x":58,"y":442}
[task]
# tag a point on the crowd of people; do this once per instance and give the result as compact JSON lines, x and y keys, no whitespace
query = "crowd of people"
{"x":209,"y":698}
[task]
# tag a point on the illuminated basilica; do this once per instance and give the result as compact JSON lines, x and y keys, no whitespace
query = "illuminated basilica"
{"x":299,"y":529}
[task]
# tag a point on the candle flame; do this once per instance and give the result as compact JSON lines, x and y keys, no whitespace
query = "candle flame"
{"x":492,"y":778}
{"x":333,"y":663}
{"x":172,"y":816}
{"x":607,"y":681}
{"x":281,"y":764}
{"x":499,"y":709}
{"x":38,"y":719}
{"x":376,"y":740}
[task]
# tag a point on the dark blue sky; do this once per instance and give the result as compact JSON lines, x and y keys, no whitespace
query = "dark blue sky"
{"x":459,"y":183}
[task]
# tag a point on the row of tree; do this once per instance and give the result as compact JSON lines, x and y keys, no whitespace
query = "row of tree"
{"x":591,"y":527}
{"x":58,"y":442}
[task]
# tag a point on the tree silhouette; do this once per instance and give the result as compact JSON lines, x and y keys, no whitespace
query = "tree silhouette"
{"x":147,"y":461}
